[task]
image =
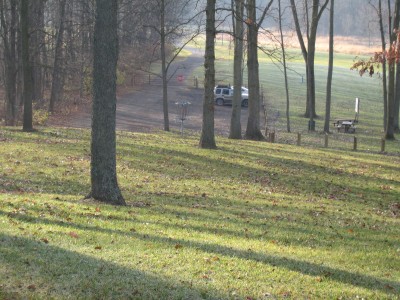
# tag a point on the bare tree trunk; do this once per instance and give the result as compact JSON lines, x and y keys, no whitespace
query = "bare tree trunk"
{"x":330,"y":70}
{"x":284,"y":68}
{"x":164,"y":66}
{"x":397,"y":100}
{"x":36,"y":37}
{"x":309,"y":53}
{"x":58,"y":73}
{"x":27,"y":67}
{"x":207,"y":139}
{"x":253,"y":131}
{"x":397,"y":89}
{"x":236,"y":127}
{"x":384,"y":78}
{"x":103,"y":148}
{"x":10,"y":60}
{"x":389,"y":134}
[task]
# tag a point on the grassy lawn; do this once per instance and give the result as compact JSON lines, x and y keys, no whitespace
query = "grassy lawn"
{"x":347,"y":85}
{"x":247,"y":221}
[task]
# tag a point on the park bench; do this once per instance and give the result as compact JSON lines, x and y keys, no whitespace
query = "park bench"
{"x":345,"y":125}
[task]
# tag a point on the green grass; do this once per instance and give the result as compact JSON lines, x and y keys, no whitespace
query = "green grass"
{"x":247,"y":221}
{"x":347,"y":85}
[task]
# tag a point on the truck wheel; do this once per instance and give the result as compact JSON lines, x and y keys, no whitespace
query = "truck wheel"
{"x":245,"y":103}
{"x":220,"y":102}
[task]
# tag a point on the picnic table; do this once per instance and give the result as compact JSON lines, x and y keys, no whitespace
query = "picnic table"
{"x":345,"y":125}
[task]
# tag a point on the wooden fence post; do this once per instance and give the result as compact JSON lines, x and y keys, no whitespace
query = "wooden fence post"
{"x":298,"y":139}
{"x":272,"y":137}
{"x":383,"y":145}
{"x":326,"y":140}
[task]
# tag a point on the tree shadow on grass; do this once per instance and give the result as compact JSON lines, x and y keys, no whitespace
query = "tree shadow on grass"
{"x":33,"y":269}
{"x":304,"y":267}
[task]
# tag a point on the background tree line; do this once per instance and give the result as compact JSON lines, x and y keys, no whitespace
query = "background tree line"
{"x":60,"y":50}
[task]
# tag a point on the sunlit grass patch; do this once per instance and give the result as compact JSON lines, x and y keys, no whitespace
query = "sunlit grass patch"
{"x":249,"y":220}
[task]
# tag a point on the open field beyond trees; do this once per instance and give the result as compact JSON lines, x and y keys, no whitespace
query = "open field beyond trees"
{"x":247,"y":221}
{"x":347,"y":85}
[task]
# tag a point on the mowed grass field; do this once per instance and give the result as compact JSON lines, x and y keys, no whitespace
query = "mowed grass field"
{"x":251,"y":220}
{"x":346,"y":87}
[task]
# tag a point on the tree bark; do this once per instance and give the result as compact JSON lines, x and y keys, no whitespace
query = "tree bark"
{"x":309,"y":53}
{"x":37,"y":41}
{"x":207,"y":139}
{"x":164,"y":66}
{"x":58,"y":73}
{"x":394,"y":106}
{"x":103,"y":147}
{"x":284,"y":68}
{"x":330,"y":70}
{"x":253,"y":131}
{"x":236,"y":127}
{"x":26,"y":68}
{"x":389,"y":134}
{"x":10,"y":60}
{"x":384,"y":77}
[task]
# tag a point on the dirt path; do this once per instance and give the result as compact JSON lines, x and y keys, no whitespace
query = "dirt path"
{"x":141,"y":110}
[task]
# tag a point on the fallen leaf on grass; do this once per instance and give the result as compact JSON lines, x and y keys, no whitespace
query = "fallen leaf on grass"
{"x":97,"y":248}
{"x":32,"y":287}
{"x":44,"y":240}
{"x":178,"y":246}
{"x":389,"y":287}
{"x":73,"y":235}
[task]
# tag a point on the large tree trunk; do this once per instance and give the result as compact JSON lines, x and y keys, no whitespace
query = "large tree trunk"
{"x":253,"y":131}
{"x":164,"y":66}
{"x":207,"y":139}
{"x":309,"y":53}
{"x":397,"y":99}
{"x":9,"y":29}
{"x":284,"y":68}
{"x":389,"y":134}
{"x":330,"y":70}
{"x":26,"y":67}
{"x":397,"y":89}
{"x":58,"y":72}
{"x":384,"y":78}
{"x":103,"y":148}
{"x":37,"y":42}
{"x":236,"y":127}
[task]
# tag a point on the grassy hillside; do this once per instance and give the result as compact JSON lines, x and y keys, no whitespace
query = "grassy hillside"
{"x":247,"y":221}
{"x":347,"y":85}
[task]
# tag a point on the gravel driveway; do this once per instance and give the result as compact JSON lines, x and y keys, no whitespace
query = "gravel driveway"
{"x":141,"y":110}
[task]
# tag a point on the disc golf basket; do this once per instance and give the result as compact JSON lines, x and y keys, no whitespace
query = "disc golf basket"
{"x":182,"y":112}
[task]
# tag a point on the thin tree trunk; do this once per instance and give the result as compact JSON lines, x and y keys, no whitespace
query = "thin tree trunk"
{"x":9,"y":40}
{"x":309,"y":53}
{"x":384,"y":83}
{"x":236,"y":127}
{"x":36,"y":38}
{"x":164,"y":66}
{"x":284,"y":68}
{"x":397,"y":89}
{"x":253,"y":131}
{"x":27,"y":67}
{"x":389,"y":134}
{"x":58,"y":76}
{"x":103,"y":147}
{"x":207,"y":139}
{"x":330,"y":70}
